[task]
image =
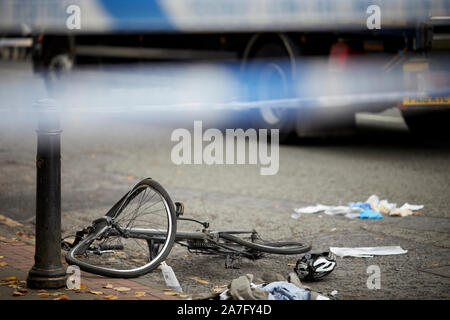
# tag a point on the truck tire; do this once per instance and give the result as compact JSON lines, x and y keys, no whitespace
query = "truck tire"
{"x":427,"y":123}
{"x":267,"y":68}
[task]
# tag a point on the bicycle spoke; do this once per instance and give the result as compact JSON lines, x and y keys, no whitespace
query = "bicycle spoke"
{"x":143,"y":208}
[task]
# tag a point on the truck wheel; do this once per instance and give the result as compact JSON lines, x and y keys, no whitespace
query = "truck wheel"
{"x":427,"y":123}
{"x":271,"y":65}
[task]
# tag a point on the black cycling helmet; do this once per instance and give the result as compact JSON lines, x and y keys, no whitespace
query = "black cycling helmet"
{"x":315,"y":266}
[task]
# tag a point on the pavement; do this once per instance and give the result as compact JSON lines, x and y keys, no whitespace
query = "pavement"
{"x":17,"y":258}
{"x":103,"y":156}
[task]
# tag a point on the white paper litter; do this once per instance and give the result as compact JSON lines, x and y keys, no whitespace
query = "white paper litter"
{"x":328,"y":210}
{"x":312,"y":209}
{"x":384,"y":207}
{"x":367,"y":252}
{"x":412,"y":207}
{"x":308,"y":210}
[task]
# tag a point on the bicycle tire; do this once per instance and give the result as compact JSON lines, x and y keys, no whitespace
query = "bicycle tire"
{"x":273,"y":247}
{"x":129,"y":268}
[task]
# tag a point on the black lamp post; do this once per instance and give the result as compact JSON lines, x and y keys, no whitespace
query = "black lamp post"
{"x":48,"y":271}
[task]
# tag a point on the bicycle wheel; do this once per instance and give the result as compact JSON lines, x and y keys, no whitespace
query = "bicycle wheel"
{"x":139,"y":235}
{"x":274,"y":247}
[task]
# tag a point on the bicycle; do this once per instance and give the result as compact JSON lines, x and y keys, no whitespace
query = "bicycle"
{"x":138,"y":232}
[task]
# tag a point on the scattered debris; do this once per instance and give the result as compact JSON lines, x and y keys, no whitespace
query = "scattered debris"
{"x":43,"y":294}
{"x":243,"y":288}
{"x":196,"y":279}
{"x":170,"y":278}
{"x":108,"y":286}
{"x":370,"y":214}
{"x":372,"y":208}
{"x":348,"y":212}
{"x":9,"y":222}
{"x":122,"y":289}
{"x":98,"y":293}
{"x":140,"y":293}
{"x":111,"y":297}
{"x":219,"y":289}
{"x":291,"y":264}
{"x":367,"y":252}
{"x":282,"y":290}
{"x":385,"y":207}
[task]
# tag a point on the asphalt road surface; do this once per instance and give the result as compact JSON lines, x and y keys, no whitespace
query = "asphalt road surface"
{"x":103,"y":156}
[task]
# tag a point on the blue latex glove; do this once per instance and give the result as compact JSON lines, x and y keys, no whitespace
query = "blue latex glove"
{"x":370,"y":214}
{"x":362,"y":205}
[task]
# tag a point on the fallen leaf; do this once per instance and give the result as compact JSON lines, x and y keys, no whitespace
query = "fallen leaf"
{"x":172,"y":293}
{"x":108,"y":286}
{"x":42,"y":290}
{"x":188,"y":255}
{"x":167,"y":289}
{"x":82,"y":286}
{"x":9,"y":222}
{"x":23,"y":290}
{"x":44,"y":294}
{"x":54,"y":294}
{"x":96,"y":292}
{"x":218,"y":289}
{"x":379,"y":238}
{"x":12,"y":281}
{"x":62,"y":297}
{"x":9,"y":278}
{"x":122,"y":289}
{"x":139,"y":261}
{"x":184,"y":296}
{"x":1,"y":257}
{"x":17,"y":294}
{"x":196,"y":279}
{"x":2,"y":264}
{"x":291,"y":264}
{"x":120,"y":254}
{"x":111,"y":297}
{"x":140,"y":293}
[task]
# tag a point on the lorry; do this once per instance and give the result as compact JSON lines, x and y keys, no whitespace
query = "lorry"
{"x":414,"y":35}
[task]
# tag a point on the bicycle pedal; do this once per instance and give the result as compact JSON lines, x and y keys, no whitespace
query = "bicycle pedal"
{"x":179,"y":208}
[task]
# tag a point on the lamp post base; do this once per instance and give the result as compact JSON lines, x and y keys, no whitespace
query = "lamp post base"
{"x":46,"y":278}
